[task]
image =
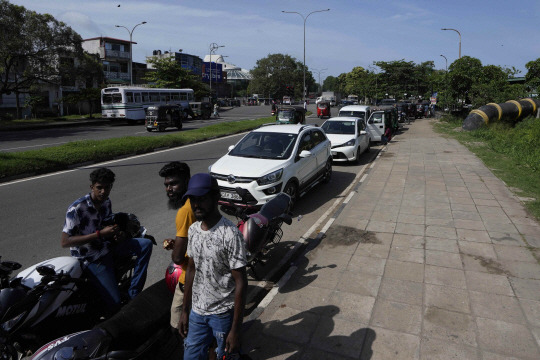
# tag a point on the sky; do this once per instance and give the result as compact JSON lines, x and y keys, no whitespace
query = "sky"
{"x":353,"y":33}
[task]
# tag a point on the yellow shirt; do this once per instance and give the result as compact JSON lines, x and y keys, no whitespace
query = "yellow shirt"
{"x":184,"y":219}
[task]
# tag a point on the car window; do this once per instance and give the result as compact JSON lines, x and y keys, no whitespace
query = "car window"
{"x":305,"y":143}
{"x":265,"y":145}
{"x":318,"y":137}
{"x":377,"y":118}
{"x":338,"y":127}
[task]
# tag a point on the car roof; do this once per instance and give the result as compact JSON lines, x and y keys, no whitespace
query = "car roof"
{"x":283,"y":128}
{"x":355,"y":108}
{"x":343,"y":118}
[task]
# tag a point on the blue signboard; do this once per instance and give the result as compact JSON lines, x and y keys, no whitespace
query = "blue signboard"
{"x":217,"y":72}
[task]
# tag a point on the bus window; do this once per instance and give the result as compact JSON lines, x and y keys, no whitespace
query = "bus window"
{"x":154,"y":97}
{"x":145,"y":97}
{"x":190,"y":96}
{"x":175,"y":96}
{"x":138,"y":98}
{"x":183,"y":96}
{"x":129,"y":97}
{"x":164,"y":97}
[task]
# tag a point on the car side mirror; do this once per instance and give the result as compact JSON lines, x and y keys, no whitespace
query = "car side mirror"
{"x":305,"y":154}
{"x":370,"y":121}
{"x":362,"y":132}
{"x":231,"y":147}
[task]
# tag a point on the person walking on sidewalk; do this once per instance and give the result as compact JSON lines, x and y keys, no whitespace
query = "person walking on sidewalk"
{"x":216,"y":108}
{"x":216,"y":280}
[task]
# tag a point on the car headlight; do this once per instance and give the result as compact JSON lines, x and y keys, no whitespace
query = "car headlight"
{"x":349,"y":143}
{"x":270,"y":178}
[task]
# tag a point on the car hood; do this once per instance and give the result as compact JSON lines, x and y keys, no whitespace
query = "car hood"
{"x":338,"y":139}
{"x":246,"y":167}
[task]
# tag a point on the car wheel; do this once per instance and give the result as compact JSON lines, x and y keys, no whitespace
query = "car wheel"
{"x":148,"y":129}
{"x":178,"y":124}
{"x":291,"y":189}
{"x":327,"y":172}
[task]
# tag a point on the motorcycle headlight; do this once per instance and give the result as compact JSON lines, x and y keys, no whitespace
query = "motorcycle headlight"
{"x":349,"y":143}
{"x":270,"y":178}
{"x":8,"y":325}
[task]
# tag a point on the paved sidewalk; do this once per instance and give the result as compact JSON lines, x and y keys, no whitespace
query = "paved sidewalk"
{"x":432,"y":258}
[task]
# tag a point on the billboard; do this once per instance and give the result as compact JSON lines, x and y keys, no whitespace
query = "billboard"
{"x":217,"y":72}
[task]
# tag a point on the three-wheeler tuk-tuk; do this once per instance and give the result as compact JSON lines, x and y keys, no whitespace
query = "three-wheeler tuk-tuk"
{"x":160,"y":117}
{"x":201,"y":110}
{"x":291,"y":115}
{"x":323,"y":109}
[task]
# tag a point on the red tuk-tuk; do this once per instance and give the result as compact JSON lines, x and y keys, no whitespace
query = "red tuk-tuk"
{"x":323,"y":109}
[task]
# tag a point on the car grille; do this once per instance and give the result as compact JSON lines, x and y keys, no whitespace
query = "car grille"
{"x":237,"y":179}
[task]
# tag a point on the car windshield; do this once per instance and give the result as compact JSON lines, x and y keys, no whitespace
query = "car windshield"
{"x":338,"y":127}
{"x":352,"y":113}
{"x":265,"y":145}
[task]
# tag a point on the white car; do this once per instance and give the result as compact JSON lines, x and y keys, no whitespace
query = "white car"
{"x":290,"y":158}
{"x":348,"y":136}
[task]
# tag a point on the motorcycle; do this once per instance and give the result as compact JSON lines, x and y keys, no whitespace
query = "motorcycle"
{"x":120,"y":337}
{"x":54,"y":297}
{"x":261,"y":228}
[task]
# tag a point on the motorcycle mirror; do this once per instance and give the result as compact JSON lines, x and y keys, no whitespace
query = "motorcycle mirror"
{"x":45,"y":270}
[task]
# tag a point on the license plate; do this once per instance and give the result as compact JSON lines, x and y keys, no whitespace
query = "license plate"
{"x":230,"y":195}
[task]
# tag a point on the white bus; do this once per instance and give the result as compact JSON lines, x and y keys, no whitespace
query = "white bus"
{"x":130,"y":103}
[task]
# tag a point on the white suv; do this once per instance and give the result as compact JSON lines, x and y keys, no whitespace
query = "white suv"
{"x":270,"y":160}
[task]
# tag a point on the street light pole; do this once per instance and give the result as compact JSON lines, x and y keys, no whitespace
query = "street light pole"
{"x":319,"y":72}
{"x":305,"y":19}
{"x":459,"y":39}
{"x":446,"y":62}
{"x":213,"y":47}
{"x":131,"y":49}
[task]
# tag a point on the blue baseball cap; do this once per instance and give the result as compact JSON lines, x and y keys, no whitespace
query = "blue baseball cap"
{"x":200,"y":184}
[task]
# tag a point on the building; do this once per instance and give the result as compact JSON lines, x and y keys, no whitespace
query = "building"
{"x":236,"y":77}
{"x":114,"y":55}
{"x":189,"y":62}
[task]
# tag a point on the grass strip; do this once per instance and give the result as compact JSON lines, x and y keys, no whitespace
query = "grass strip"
{"x":512,"y":153}
{"x":62,"y":157}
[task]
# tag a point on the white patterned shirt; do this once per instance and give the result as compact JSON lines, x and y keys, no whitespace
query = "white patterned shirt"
{"x":215,"y":252}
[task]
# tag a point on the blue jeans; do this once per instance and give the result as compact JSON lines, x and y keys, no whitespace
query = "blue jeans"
{"x":201,"y":330}
{"x":103,"y":275}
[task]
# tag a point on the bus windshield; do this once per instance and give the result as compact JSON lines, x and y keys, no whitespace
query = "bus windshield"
{"x":112,"y":98}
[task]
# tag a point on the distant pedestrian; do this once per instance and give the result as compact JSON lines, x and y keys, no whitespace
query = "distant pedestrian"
{"x":216,"y":108}
{"x":305,"y":105}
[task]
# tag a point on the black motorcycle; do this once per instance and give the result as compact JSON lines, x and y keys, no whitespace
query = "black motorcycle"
{"x":140,"y":330}
{"x":54,"y":298}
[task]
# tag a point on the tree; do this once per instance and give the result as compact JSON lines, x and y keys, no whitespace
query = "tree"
{"x":272,"y":74}
{"x":532,"y":78}
{"x":31,"y":46}
{"x":462,"y":74}
{"x":169,"y":73}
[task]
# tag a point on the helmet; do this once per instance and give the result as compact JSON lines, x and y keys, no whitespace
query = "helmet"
{"x":172,"y":276}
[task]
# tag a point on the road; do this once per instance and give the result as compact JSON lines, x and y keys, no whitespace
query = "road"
{"x":33,"y":209}
{"x":23,"y":140}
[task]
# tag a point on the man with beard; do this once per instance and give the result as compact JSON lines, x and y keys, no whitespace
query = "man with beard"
{"x":176,"y":177}
{"x":216,"y":280}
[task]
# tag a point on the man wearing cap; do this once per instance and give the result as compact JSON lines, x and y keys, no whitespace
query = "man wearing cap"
{"x":216,"y":280}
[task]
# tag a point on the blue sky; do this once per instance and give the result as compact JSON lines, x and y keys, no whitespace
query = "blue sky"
{"x":352,"y":33}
